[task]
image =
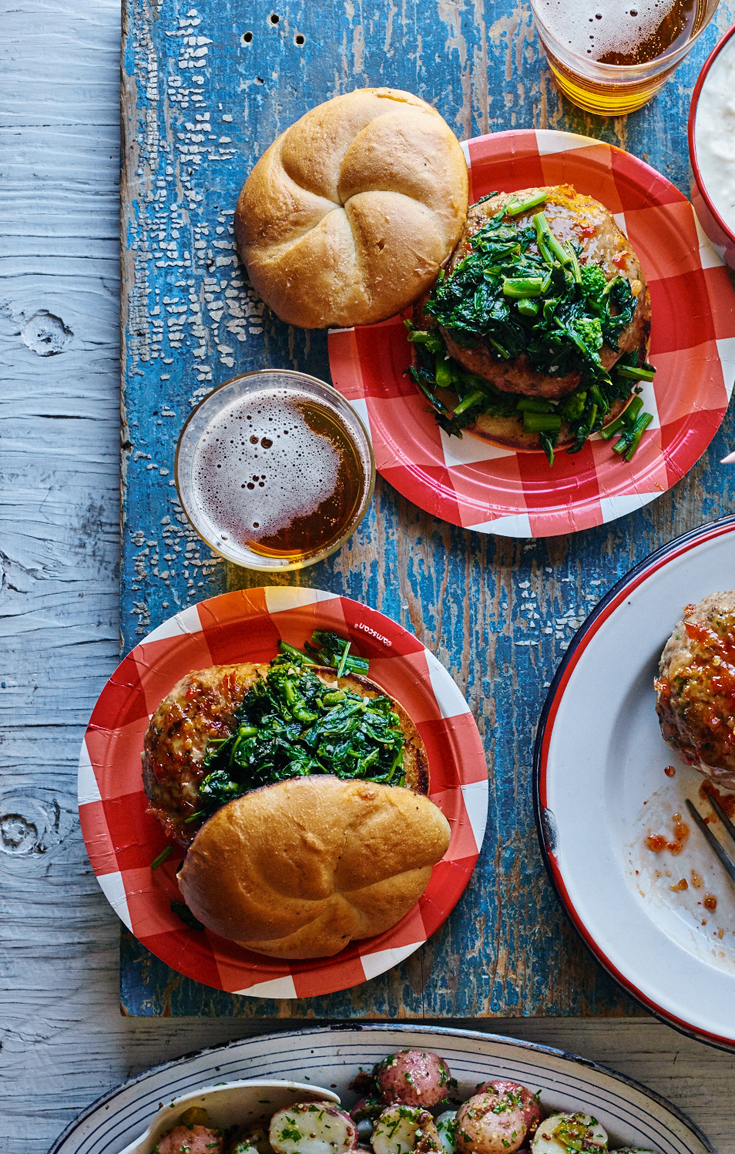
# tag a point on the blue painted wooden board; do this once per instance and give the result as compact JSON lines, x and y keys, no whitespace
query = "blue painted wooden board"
{"x":204,"y":92}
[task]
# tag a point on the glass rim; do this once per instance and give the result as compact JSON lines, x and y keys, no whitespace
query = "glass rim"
{"x":339,"y":400}
{"x":660,"y":63}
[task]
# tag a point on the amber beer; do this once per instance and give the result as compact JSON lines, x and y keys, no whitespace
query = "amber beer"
{"x":274,"y":470}
{"x":611,"y":56}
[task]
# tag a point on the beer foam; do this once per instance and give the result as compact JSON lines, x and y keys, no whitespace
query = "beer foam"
{"x":258,"y":466}
{"x":596,"y":27}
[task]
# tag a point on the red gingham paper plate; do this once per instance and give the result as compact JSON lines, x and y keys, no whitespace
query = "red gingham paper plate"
{"x":122,"y":840}
{"x":515,"y":494}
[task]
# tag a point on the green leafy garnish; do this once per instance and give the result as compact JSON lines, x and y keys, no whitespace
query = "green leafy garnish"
{"x":162,"y":857}
{"x":327,"y":649}
{"x":290,"y":724}
{"x":291,"y":1134}
{"x":576,"y":1136}
{"x":524,"y":292}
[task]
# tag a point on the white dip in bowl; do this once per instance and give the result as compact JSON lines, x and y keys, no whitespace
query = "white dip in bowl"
{"x":714,"y":133}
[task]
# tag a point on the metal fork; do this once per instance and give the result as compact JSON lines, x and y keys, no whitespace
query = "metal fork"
{"x":726,"y":861}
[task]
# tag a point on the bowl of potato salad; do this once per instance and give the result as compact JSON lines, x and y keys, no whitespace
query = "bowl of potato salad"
{"x":374,"y":1088}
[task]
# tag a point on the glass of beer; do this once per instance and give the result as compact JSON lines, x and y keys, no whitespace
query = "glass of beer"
{"x":275,"y":470}
{"x":611,"y":56}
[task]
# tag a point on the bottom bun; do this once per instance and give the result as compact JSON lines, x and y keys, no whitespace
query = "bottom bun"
{"x":301,"y":868}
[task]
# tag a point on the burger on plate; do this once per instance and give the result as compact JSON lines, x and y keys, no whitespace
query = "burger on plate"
{"x":299,"y":791}
{"x":536,"y":334}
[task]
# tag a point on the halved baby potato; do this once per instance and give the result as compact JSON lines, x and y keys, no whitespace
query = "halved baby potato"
{"x":490,"y":1123}
{"x":403,"y":1129}
{"x":446,"y":1125}
{"x":312,"y":1128}
{"x":570,"y":1134}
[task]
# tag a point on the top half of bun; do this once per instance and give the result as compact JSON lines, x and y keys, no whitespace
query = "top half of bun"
{"x":306,"y":839}
{"x":351,"y":212}
{"x":300,"y":868}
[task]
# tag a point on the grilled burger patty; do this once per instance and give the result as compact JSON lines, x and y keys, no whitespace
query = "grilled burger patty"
{"x":588,"y":224}
{"x":201,"y":708}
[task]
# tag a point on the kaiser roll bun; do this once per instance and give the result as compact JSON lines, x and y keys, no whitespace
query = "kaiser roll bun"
{"x":301,"y":868}
{"x":351,"y":212}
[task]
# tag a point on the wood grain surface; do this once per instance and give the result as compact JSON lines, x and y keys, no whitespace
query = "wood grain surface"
{"x":62,"y":1038}
{"x":204,"y":92}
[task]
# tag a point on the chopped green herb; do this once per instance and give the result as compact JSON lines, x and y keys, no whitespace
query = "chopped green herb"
{"x":163,"y":855}
{"x":291,"y":1134}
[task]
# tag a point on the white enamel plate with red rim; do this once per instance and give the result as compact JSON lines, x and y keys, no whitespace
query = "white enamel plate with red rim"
{"x":602,"y":787}
{"x":497,"y":490}
{"x":122,"y":840}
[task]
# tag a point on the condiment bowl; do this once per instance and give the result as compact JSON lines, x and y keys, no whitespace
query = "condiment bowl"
{"x":710,"y":218}
{"x":229,"y":1104}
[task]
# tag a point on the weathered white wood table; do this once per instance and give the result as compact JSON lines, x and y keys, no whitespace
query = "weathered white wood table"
{"x":63,"y":1039}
